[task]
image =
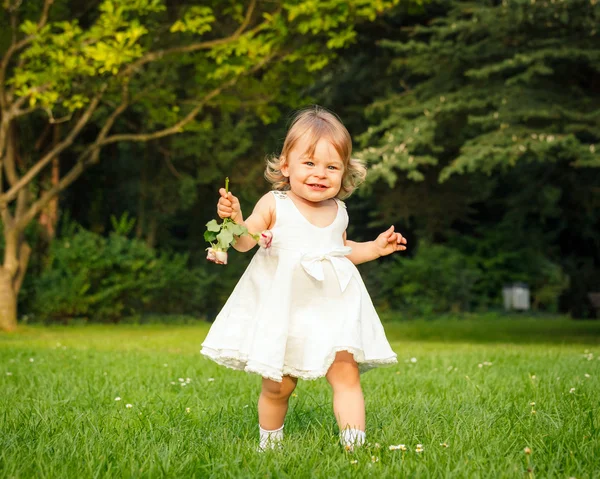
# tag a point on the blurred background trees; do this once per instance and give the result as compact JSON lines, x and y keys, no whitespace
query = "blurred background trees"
{"x":479,"y":121}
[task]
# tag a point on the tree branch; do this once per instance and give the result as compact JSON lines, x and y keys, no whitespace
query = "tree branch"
{"x":90,"y":155}
{"x":152,"y":56}
{"x":34,"y":171}
{"x":15,"y":47}
{"x":178,"y":127}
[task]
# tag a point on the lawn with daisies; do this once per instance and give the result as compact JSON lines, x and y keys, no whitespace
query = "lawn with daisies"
{"x":505,"y":397}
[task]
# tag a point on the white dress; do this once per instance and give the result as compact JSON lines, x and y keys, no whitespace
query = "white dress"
{"x":297,"y":304}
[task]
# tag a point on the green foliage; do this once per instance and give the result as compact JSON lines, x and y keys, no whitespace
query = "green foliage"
{"x":437,"y":279}
{"x":105,"y":278}
{"x":484,"y":87}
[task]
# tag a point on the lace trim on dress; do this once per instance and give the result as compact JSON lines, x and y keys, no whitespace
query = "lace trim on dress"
{"x":282,"y":195}
{"x":234,"y":360}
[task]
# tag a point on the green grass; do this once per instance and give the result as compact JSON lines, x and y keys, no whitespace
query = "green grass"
{"x":59,"y":417}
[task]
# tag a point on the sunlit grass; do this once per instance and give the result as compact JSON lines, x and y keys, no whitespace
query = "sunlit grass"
{"x":473,"y":395}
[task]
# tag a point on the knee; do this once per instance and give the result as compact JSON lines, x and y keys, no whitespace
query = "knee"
{"x":278,"y":391}
{"x":344,"y":372}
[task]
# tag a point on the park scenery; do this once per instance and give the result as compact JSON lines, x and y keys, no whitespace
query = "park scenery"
{"x":479,"y":126}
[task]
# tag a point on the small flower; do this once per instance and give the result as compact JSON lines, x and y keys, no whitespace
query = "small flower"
{"x":413,"y":360}
{"x":480,"y":365}
{"x":419,"y":448}
{"x":527,"y":451}
{"x":377,"y":445}
{"x":533,"y":411}
{"x":8,"y":373}
{"x":587,"y":375}
{"x":173,"y":382}
{"x":532,"y":403}
{"x":128,"y":406}
{"x":354,"y":461}
{"x":374,"y":459}
{"x":571,"y":391}
{"x":443,"y":444}
{"x":117,"y":398}
{"x":294,"y":395}
{"x":31,"y":360}
{"x":265,"y":240}
{"x":216,"y":256}
{"x":187,"y":410}
{"x":399,"y":447}
{"x":180,"y":380}
{"x":188,"y":380}
{"x":210,"y":380}
{"x":183,"y":384}
{"x":533,"y":377}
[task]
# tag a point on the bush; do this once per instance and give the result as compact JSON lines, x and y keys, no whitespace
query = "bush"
{"x":104,"y":278}
{"x":437,"y":279}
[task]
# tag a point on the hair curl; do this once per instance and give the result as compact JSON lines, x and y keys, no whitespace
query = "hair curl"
{"x":318,"y":123}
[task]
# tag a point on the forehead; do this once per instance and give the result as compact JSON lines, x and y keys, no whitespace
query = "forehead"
{"x":322,"y":148}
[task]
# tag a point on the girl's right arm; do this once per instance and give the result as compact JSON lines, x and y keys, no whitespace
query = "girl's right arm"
{"x":262,"y":217}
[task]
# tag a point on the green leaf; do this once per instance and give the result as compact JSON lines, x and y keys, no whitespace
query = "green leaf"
{"x":237,"y":230}
{"x":212,"y":225}
{"x":224,"y":239}
{"x":210,"y":236}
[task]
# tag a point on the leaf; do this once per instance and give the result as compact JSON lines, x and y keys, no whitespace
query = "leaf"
{"x":224,"y":239}
{"x":237,"y":230}
{"x":210,"y":236}
{"x":212,"y":225}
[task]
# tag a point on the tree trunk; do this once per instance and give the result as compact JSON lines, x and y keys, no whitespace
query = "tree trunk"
{"x":16,"y":259}
{"x":49,"y":215}
{"x":8,"y":302}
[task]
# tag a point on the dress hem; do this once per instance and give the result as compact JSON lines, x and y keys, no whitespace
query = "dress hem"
{"x":234,"y":360}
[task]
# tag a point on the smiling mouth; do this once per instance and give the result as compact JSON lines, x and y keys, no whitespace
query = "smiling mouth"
{"x":317,"y":186}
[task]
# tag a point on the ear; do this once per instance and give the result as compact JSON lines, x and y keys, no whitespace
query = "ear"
{"x":283,"y":166}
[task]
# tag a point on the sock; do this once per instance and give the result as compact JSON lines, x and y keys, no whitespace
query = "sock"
{"x":351,"y":438}
{"x":270,"y":439}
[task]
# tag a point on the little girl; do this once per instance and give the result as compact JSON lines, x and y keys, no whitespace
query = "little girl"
{"x":301,"y":309}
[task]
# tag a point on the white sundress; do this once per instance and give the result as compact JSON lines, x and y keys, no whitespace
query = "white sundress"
{"x":297,"y":304}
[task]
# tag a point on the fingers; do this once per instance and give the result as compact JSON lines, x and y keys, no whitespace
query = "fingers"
{"x":228,"y":205}
{"x":395,"y":239}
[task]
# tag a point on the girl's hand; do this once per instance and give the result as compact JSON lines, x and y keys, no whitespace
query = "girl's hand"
{"x":389,"y":242}
{"x":228,"y":206}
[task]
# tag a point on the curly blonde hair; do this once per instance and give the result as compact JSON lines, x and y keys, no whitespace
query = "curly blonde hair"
{"x":318,"y":123}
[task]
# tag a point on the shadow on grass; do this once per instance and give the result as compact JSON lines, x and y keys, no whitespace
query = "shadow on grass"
{"x":477,"y":329}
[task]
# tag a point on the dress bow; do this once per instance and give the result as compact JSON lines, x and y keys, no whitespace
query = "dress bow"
{"x":312,"y":264}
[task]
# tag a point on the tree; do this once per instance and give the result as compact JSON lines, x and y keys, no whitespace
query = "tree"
{"x":87,"y":74}
{"x":484,"y":85}
{"x":502,"y":96}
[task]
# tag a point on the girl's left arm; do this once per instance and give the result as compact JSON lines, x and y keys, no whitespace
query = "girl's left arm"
{"x":386,"y":243}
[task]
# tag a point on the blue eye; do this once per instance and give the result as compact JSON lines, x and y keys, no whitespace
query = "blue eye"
{"x":309,"y":163}
{"x":331,"y":167}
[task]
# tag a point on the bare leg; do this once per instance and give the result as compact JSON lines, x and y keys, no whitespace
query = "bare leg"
{"x":348,"y":400}
{"x":273,"y":401}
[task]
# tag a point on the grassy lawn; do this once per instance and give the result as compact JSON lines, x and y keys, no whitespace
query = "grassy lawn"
{"x":468,"y":384}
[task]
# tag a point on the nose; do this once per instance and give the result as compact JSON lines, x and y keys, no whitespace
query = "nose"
{"x":320,"y":172}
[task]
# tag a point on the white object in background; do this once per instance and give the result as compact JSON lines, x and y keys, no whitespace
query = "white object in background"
{"x":516,"y":296}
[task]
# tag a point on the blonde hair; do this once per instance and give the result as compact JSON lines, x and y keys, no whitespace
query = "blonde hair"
{"x":318,"y":123}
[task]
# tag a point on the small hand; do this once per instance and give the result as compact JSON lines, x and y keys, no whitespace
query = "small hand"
{"x":389,"y":242}
{"x":228,"y":206}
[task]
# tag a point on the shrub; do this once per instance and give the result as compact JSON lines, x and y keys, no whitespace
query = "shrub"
{"x":104,"y":278}
{"x":436,"y":279}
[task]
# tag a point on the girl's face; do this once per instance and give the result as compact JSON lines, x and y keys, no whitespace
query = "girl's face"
{"x":316,"y":178}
